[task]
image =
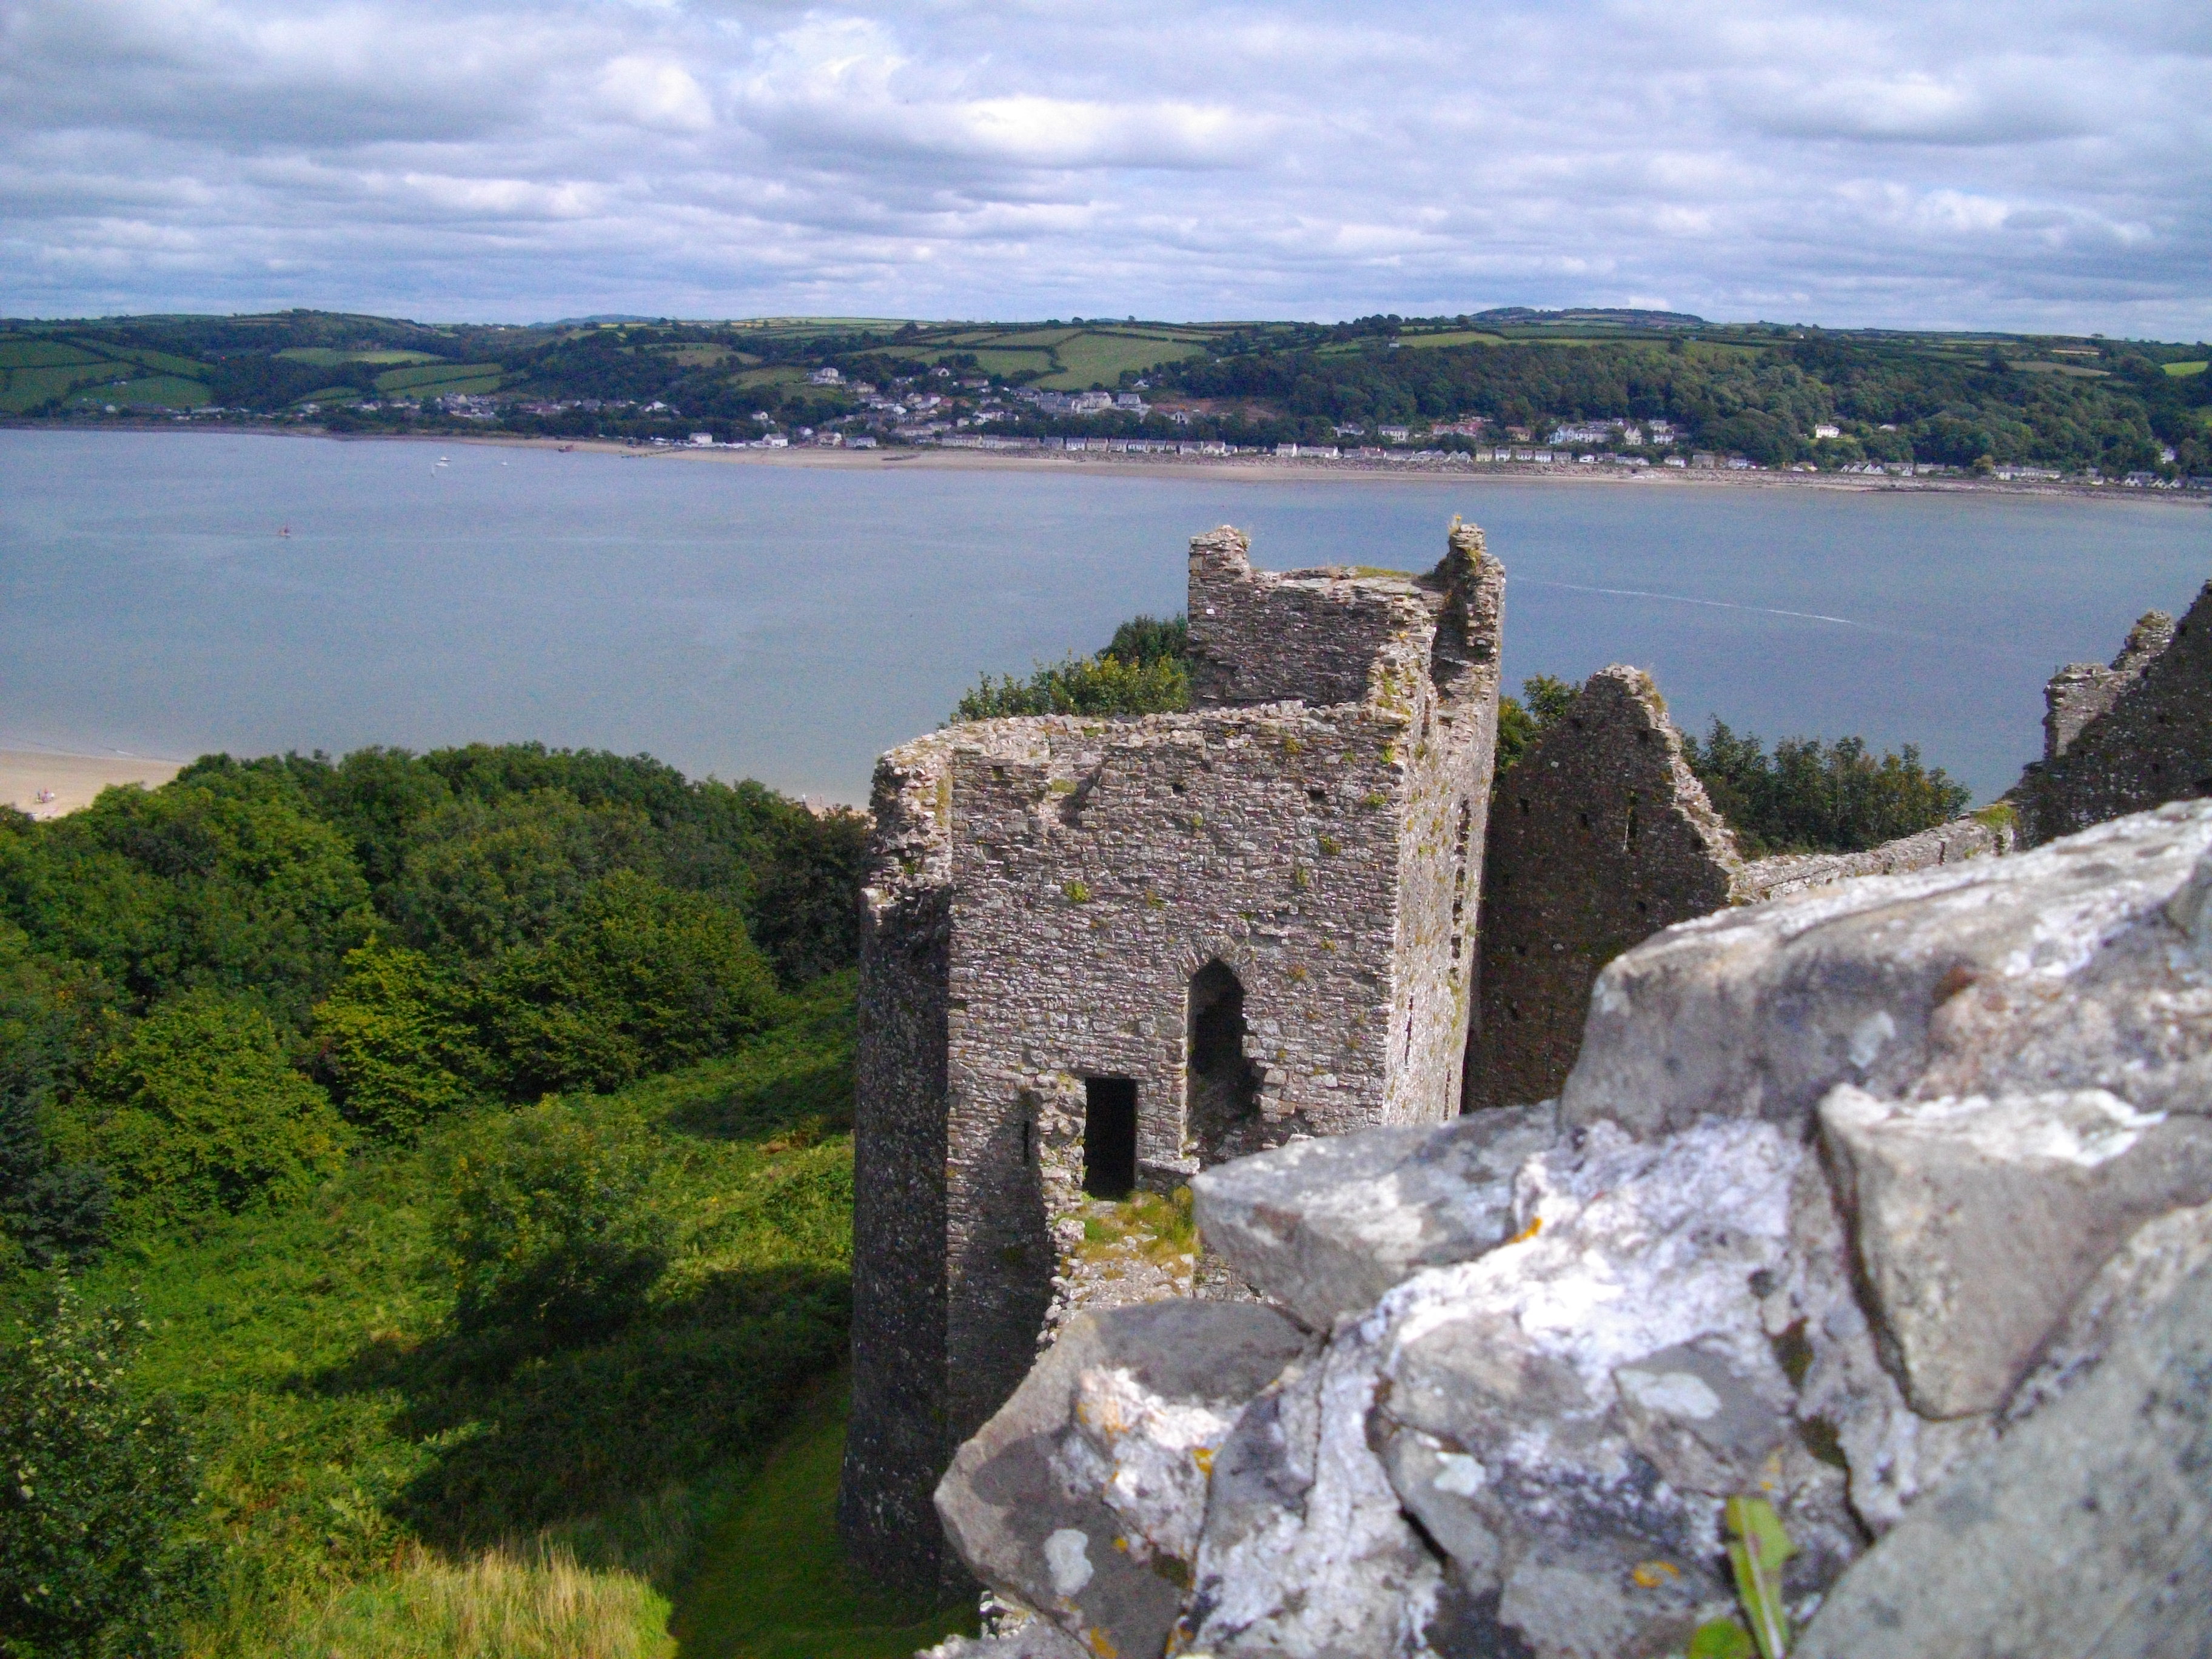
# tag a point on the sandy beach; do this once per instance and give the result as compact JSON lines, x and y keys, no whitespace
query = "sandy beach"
{"x":1392,"y":469}
{"x":69,"y":782}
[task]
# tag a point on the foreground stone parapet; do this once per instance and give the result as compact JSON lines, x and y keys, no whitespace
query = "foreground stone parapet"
{"x":1325,"y":1227}
{"x":2071,"y":967}
{"x":2129,"y":736}
{"x":2087,"y":1531}
{"x":1082,"y":1498}
{"x":1306,"y":1552}
{"x":1934,"y":1283}
{"x":1566,"y":1414}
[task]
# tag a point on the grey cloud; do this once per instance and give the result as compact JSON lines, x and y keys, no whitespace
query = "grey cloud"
{"x":1846,"y":162}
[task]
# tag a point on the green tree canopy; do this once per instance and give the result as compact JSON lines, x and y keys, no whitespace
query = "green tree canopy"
{"x":198,"y":1109}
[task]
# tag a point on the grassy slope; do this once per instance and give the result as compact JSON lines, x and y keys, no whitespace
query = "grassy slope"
{"x":359,"y":1460}
{"x":772,"y":1584}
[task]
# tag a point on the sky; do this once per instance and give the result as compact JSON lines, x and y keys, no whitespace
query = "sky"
{"x":2030,"y":166}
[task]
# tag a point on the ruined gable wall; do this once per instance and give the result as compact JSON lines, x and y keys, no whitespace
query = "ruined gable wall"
{"x":898,"y":1436}
{"x":2081,"y":691}
{"x":2152,"y":744}
{"x":1601,"y":836}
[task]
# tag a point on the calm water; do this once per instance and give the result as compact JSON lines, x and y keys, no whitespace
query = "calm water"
{"x":789,"y":623}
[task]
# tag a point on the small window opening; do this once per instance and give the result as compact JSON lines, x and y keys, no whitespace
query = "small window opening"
{"x":1109,"y":1136}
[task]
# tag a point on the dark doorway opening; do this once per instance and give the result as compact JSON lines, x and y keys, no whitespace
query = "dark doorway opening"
{"x":1224,"y":1089}
{"x":1109,"y":1136}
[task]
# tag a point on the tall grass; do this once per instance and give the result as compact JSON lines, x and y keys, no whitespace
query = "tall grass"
{"x":538,"y":1604}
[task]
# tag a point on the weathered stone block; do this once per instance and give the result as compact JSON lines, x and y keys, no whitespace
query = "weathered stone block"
{"x":1083,"y":1496}
{"x":1978,"y":1221}
{"x":2086,"y":1531}
{"x":2054,"y":969}
{"x":2127,"y":1290}
{"x":1325,"y":1226}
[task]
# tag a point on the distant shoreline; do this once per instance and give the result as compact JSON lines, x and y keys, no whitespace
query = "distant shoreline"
{"x":1235,"y":468}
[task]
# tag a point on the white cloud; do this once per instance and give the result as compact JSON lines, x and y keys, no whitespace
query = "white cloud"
{"x":1885,"y":163}
{"x":654,"y":93}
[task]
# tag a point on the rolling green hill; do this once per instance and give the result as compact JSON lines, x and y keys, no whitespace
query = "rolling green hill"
{"x":1764,"y":391}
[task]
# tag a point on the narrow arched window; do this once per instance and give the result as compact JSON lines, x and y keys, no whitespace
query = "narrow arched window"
{"x":1223,"y":1090}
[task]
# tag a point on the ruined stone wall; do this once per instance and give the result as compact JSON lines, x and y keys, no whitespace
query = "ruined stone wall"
{"x":1966,"y":837}
{"x":1601,"y":836}
{"x":1314,"y":851}
{"x":899,"y":1431}
{"x":1327,"y":855}
{"x":2081,"y":691}
{"x":2123,"y":738}
{"x":1311,"y":636}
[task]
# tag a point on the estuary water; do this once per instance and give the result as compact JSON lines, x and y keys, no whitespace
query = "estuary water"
{"x":789,"y":622}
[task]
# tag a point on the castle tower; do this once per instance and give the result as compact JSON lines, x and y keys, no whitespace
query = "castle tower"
{"x":1105,"y":953}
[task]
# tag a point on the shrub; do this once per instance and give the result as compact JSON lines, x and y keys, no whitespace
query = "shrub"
{"x":396,"y":1039}
{"x":1815,"y":797}
{"x":1103,"y":684}
{"x":96,"y":1491}
{"x":197,"y":1110}
{"x":640,"y":978}
{"x":1521,"y":721}
{"x":1143,"y":640}
{"x":548,"y":1228}
{"x":483,"y":878}
{"x":224,"y":877}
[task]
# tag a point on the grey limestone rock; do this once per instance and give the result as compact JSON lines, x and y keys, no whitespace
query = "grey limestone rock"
{"x":2086,"y":1531}
{"x":1324,"y":1227}
{"x":1306,"y":1555}
{"x":1979,"y":1220}
{"x":2070,"y":967}
{"x":1082,"y":1498}
{"x":1035,"y":1639}
{"x":2127,"y":1290}
{"x":1566,"y":1414}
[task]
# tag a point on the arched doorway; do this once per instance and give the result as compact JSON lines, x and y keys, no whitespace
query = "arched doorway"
{"x":1223,"y":1093}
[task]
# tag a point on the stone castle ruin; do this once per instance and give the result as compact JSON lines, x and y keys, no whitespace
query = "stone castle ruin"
{"x":1103,"y":956}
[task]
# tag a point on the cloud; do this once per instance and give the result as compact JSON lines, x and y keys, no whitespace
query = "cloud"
{"x":1903,"y":164}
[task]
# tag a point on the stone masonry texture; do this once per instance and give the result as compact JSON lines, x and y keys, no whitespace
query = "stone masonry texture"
{"x":1055,"y":900}
{"x":2122,"y":738}
{"x":1600,"y":838}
